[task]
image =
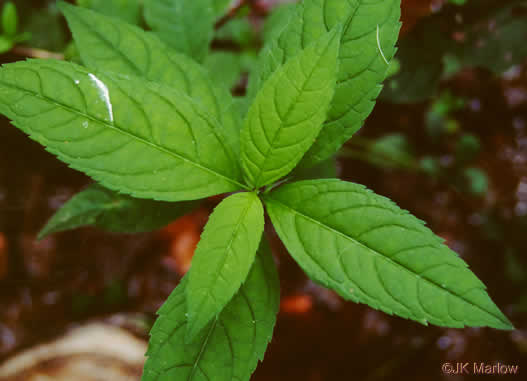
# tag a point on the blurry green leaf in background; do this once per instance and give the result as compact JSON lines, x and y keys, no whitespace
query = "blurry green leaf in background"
{"x":482,"y":33}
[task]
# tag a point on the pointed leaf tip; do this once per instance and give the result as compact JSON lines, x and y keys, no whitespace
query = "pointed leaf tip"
{"x":223,"y":258}
{"x":101,"y":123}
{"x":348,"y":238}
{"x":229,"y":348}
{"x":288,"y":113}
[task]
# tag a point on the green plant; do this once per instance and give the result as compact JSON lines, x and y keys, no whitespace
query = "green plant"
{"x":151,"y":126}
{"x":9,"y":28}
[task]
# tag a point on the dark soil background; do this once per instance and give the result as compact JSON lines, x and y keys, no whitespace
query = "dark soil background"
{"x":47,"y":286}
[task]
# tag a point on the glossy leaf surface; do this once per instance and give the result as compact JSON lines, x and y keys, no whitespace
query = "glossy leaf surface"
{"x":288,"y":112}
{"x":223,"y":258}
{"x":229,"y":348}
{"x":367,"y":45}
{"x":370,"y":251}
{"x":107,"y":44}
{"x":187,"y":26}
{"x":134,"y":136}
{"x":126,"y":10}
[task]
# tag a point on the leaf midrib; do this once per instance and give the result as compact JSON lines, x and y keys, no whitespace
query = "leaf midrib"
{"x":202,"y":350}
{"x":383,"y":257}
{"x":290,"y":109}
{"x":239,"y":223}
{"x":126,"y":133}
{"x":136,"y":68}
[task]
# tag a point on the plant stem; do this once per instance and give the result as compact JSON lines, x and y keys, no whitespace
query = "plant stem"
{"x":230,"y":14}
{"x":36,"y":53}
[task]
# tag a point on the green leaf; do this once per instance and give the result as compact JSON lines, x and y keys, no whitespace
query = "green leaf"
{"x":277,"y":21}
{"x":288,"y":112}
{"x":230,"y":346}
{"x":5,"y":44}
{"x":187,"y":26}
{"x":126,"y":10}
{"x":394,"y":68}
{"x":109,"y":210}
{"x":430,"y":165}
{"x":9,"y":19}
{"x":223,"y":258}
{"x":221,"y":7}
{"x":239,"y":31}
{"x":45,"y":27}
{"x":134,"y":136}
{"x":225,"y":68}
{"x":107,"y":44}
{"x":370,"y":251}
{"x":476,"y":181}
{"x":367,"y":45}
{"x":392,"y":151}
{"x":467,"y":148}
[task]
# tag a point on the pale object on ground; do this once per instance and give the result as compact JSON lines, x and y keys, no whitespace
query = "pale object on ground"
{"x":95,"y":352}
